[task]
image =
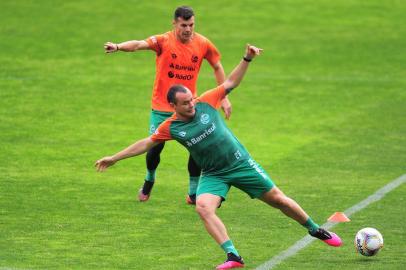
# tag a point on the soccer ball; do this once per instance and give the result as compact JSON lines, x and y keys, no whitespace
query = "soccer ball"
{"x":368,"y":241}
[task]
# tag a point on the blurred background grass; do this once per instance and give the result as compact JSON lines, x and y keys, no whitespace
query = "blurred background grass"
{"x":323,"y":110}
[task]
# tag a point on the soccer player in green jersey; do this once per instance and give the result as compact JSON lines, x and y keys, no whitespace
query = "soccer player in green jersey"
{"x":225,"y":162}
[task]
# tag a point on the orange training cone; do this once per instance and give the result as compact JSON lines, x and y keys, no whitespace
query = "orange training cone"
{"x":338,"y":217}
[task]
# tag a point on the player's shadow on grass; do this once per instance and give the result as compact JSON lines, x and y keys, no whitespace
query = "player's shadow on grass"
{"x":366,"y":260}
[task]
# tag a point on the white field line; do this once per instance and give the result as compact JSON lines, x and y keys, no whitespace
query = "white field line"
{"x":305,"y":241}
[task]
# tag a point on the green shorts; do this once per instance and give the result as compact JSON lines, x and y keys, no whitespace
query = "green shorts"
{"x":156,"y":118}
{"x":248,"y":176}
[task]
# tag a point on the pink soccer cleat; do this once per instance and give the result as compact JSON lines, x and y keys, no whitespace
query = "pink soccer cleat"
{"x":327,"y":237}
{"x":334,"y":241}
{"x":191,"y":199}
{"x":142,"y":197}
{"x":233,"y":261}
{"x":145,"y":192}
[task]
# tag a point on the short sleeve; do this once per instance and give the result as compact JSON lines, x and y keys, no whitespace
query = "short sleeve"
{"x":155,"y":43}
{"x":163,"y":133}
{"x":212,"y":54}
{"x":213,"y":96}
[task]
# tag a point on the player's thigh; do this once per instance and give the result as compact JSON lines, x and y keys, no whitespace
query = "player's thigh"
{"x":213,"y":185}
{"x":252,"y":179}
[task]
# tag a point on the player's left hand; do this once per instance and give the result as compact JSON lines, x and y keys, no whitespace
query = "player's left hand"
{"x":252,"y":51}
{"x":226,"y":106}
{"x":104,"y":163}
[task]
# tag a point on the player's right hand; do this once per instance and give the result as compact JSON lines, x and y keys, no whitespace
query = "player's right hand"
{"x":110,"y":47}
{"x":104,"y":163}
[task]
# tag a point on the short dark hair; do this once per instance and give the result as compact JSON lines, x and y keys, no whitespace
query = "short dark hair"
{"x":176,"y":88}
{"x":184,"y":12}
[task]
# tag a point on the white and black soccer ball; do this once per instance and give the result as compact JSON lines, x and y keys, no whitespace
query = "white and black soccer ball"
{"x":368,"y":241}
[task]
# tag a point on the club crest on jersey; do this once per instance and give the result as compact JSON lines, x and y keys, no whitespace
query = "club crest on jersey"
{"x":204,"y":118}
{"x":195,"y":59}
{"x":182,"y":133}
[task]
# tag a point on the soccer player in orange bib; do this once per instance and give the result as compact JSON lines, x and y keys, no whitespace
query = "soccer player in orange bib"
{"x":179,"y":55}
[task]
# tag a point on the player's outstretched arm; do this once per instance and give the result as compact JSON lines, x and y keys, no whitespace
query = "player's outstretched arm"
{"x":135,"y":149}
{"x":127,"y":46}
{"x":219,"y":73}
{"x":220,"y":76}
{"x":236,"y":76}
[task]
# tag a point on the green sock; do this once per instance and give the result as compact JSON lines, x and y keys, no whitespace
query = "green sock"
{"x":310,"y":225}
{"x":193,"y":183}
{"x":150,"y":177}
{"x":228,"y":247}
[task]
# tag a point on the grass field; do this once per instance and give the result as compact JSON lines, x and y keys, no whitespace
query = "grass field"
{"x":323,"y":110}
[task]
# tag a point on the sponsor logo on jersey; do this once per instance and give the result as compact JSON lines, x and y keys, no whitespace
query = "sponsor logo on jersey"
{"x":184,"y":77}
{"x":202,"y":136}
{"x":180,"y":76}
{"x":181,"y":67}
{"x":182,"y":133}
{"x":204,"y":118}
{"x":174,"y":56}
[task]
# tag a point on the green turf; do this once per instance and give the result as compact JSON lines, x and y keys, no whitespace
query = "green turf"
{"x":323,"y":110}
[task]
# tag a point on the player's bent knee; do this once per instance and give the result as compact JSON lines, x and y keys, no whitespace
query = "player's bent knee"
{"x":203,"y":209}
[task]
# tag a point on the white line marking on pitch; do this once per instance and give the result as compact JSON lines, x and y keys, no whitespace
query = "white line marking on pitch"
{"x":305,"y":241}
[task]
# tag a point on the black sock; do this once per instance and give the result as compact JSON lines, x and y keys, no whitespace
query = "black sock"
{"x":146,"y":189}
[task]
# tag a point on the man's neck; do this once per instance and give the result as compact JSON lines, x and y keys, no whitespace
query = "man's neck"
{"x":184,"y":41}
{"x":184,"y":118}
